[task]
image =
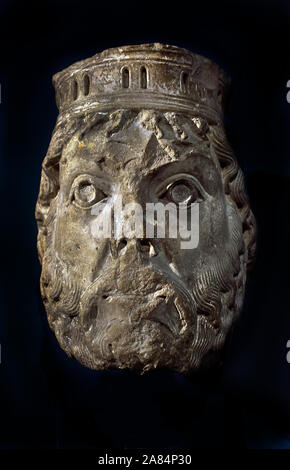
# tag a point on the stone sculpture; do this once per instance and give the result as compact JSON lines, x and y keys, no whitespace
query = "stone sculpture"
{"x":137,"y":125}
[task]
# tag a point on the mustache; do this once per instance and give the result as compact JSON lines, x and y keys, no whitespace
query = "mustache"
{"x":64,"y":296}
{"x":138,"y":283}
{"x":139,"y":289}
{"x":205,"y":311}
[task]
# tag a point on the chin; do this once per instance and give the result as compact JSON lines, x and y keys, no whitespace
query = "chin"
{"x":138,"y":334}
{"x":142,"y":347}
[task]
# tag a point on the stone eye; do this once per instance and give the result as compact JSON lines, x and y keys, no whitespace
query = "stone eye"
{"x":85,"y":193}
{"x":181,"y":192}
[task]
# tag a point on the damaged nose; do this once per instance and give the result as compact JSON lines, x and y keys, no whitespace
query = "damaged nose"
{"x":121,"y":244}
{"x":143,"y":246}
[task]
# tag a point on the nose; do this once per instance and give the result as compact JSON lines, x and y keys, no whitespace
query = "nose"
{"x":143,"y":246}
{"x":130,"y":224}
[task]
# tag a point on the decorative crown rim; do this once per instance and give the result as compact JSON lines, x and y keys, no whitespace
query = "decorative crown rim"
{"x":153,"y":75}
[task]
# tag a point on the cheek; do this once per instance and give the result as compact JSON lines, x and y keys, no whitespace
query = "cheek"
{"x":213,"y":227}
{"x":74,"y":241}
{"x":213,"y":237}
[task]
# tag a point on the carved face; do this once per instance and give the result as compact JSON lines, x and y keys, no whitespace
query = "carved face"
{"x":139,"y":301}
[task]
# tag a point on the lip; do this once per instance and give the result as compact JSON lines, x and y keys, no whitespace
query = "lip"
{"x":164,"y":313}
{"x":162,"y":309}
{"x":167,"y":316}
{"x":115,"y":293}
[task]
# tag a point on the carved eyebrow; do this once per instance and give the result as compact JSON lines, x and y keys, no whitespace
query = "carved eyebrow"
{"x":200,"y":153}
{"x":179,"y":162}
{"x":97,"y":160}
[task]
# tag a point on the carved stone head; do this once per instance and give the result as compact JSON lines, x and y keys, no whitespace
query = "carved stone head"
{"x":142,"y":127}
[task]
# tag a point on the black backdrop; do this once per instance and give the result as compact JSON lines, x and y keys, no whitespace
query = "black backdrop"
{"x":50,"y":401}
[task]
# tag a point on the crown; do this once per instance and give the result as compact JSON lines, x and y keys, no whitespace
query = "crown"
{"x":152,"y":76}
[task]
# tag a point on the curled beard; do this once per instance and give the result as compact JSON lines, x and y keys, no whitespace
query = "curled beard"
{"x":160,"y":325}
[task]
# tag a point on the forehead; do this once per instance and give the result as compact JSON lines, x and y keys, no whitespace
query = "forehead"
{"x":134,"y":148}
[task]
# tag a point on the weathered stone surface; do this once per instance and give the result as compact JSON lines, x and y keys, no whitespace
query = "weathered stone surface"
{"x":144,"y":123}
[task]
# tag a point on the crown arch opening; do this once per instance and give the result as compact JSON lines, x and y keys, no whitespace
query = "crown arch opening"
{"x":143,"y":77}
{"x":184,"y":82}
{"x":75,"y":90}
{"x":125,"y":78}
{"x":86,"y":84}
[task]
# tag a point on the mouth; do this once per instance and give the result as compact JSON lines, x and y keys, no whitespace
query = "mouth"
{"x":159,"y":307}
{"x":166,"y":315}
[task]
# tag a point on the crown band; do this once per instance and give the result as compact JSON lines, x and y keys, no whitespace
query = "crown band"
{"x":152,"y":76}
{"x":143,"y":101}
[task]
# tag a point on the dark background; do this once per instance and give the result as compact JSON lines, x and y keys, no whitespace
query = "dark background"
{"x":50,"y":401}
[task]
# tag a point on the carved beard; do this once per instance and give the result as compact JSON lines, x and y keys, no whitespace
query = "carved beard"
{"x":153,"y":322}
